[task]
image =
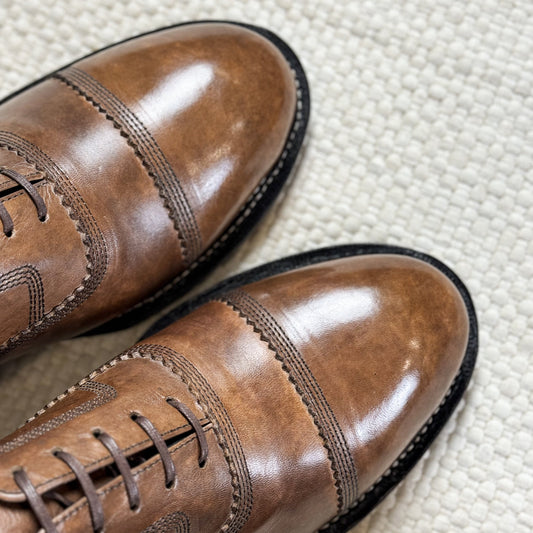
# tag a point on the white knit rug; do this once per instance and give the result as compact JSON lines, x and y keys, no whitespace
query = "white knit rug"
{"x":421,"y":135}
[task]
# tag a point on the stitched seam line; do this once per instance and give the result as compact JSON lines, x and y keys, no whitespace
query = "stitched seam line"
{"x":246,"y":210}
{"x":85,"y":224}
{"x":104,"y":394}
{"x":28,"y":275}
{"x":305,"y":383}
{"x":147,"y":150}
{"x":179,"y":521}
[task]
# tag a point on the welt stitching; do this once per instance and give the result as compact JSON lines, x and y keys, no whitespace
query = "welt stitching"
{"x":29,"y":275}
{"x":309,"y":390}
{"x":246,"y":210}
{"x":118,"y":483}
{"x":147,"y":150}
{"x":85,"y":224}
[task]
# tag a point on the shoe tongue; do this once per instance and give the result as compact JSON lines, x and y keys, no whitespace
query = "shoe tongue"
{"x":105,"y":402}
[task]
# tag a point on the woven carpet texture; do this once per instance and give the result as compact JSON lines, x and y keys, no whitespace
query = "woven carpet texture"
{"x":421,"y":135}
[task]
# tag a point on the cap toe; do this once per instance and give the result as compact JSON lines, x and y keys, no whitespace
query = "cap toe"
{"x":384,"y":336}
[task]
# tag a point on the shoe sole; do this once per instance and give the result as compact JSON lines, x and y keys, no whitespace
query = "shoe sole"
{"x":423,"y":439}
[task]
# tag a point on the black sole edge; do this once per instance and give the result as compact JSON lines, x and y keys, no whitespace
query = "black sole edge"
{"x":423,"y":439}
{"x":228,"y":241}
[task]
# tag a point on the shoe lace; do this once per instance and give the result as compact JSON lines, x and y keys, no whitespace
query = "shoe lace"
{"x":96,"y":511}
{"x":37,"y":199}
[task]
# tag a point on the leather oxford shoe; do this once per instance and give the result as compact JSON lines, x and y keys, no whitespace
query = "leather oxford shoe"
{"x":125,"y":176}
{"x":290,"y":398}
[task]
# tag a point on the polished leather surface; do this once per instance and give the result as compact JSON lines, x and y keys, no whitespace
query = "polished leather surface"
{"x":143,"y":154}
{"x":309,"y":384}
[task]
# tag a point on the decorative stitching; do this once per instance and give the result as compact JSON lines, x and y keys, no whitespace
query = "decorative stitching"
{"x":86,"y":226}
{"x":104,"y":394}
{"x":308,"y":388}
{"x":147,"y":150}
{"x":26,"y":275}
{"x":170,"y":523}
{"x":246,"y":209}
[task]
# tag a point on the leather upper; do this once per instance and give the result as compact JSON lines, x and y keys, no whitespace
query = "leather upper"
{"x":308,"y":384}
{"x":143,"y":153}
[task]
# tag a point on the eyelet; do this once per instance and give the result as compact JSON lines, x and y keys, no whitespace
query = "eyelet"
{"x":43,"y":220}
{"x":134,"y":415}
{"x":56,"y":451}
{"x":9,"y":234}
{"x":96,"y":433}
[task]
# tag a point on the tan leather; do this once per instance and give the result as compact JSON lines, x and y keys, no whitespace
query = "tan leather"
{"x":143,"y":154}
{"x":309,"y":385}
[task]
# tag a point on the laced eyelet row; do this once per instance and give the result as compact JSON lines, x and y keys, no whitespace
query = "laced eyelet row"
{"x":96,"y":511}
{"x":37,"y":199}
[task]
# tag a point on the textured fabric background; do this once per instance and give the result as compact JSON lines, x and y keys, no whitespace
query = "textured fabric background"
{"x":421,"y":135}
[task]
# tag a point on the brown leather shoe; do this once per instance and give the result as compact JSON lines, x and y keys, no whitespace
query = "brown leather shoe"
{"x":291,"y":398}
{"x":125,"y":176}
